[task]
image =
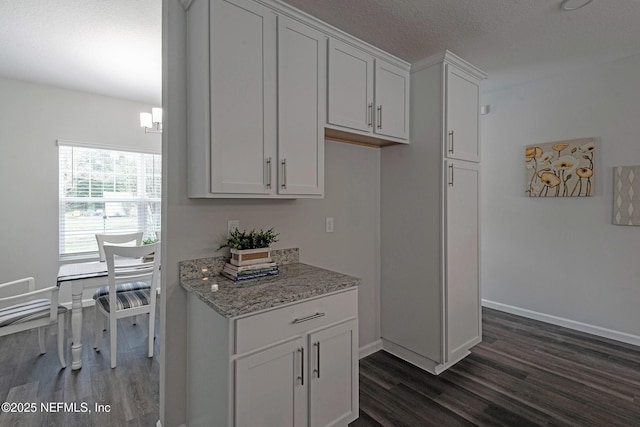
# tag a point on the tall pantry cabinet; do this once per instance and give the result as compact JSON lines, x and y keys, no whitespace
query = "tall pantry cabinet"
{"x":430,"y":287}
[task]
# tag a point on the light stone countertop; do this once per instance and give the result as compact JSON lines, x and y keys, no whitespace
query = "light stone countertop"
{"x":294,"y":283}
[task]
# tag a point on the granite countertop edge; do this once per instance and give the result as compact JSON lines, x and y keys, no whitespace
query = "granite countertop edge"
{"x":296,"y":282}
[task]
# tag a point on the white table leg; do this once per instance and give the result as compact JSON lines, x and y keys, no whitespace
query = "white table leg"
{"x":76,"y":325}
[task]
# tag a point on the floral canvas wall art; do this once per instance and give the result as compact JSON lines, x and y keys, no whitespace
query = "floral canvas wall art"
{"x":626,"y":195}
{"x":560,"y":168}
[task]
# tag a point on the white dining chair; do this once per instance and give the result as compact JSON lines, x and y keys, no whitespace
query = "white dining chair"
{"x":24,"y":311}
{"x":130,"y":239}
{"x":133,"y":265}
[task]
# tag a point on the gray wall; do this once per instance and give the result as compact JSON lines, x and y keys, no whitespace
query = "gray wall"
{"x":32,"y":118}
{"x":562,"y":257}
{"x":193,"y":228}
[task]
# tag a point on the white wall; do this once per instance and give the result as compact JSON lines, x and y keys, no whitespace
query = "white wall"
{"x":32,"y":118}
{"x":193,"y":228}
{"x":562,"y":257}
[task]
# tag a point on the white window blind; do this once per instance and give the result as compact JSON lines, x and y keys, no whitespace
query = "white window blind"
{"x":106,"y":191}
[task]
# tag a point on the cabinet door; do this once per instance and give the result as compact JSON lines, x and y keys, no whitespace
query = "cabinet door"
{"x":333,"y":394}
{"x":350,"y":87}
{"x":243,"y":99}
{"x":462,"y":280}
{"x":271,"y":387}
{"x":392,"y":100}
{"x":462,"y":115}
{"x":302,"y":54}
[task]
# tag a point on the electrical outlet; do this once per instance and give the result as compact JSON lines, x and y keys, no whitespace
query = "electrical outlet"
{"x":232,"y":224}
{"x":329,"y":225}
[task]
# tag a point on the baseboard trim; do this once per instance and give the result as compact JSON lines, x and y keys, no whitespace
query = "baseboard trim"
{"x":370,"y":349}
{"x":567,"y":323}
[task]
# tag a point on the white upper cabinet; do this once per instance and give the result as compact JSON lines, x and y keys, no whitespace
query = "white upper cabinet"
{"x":462,"y":101}
{"x":256,"y":104}
{"x":350,"y":87}
{"x":243,"y":71}
{"x":392,"y":100}
{"x":257,"y":93}
{"x":302,"y":56}
{"x":367,"y":95}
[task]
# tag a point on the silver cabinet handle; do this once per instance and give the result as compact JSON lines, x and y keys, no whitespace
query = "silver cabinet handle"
{"x":380,"y":117}
{"x":370,"y":108}
{"x":268,"y":184}
{"x":307,"y":318}
{"x":284,"y":173}
{"x":317,"y":370}
{"x":451,"y":179}
{"x":451,"y":145}
{"x":301,"y":376}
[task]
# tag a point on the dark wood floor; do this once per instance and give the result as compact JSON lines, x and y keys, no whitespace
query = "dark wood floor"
{"x":524,"y":373}
{"x":131,"y":389}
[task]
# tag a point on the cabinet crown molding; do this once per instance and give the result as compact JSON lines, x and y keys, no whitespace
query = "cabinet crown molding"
{"x":451,"y":58}
{"x":283,"y":8}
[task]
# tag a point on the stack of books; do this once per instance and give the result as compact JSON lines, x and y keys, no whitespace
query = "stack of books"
{"x":247,"y":272}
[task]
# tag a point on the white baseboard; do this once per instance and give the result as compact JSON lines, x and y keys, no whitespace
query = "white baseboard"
{"x":370,"y":349}
{"x":567,"y":323}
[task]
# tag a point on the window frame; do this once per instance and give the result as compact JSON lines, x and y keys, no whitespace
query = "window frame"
{"x":139,"y":200}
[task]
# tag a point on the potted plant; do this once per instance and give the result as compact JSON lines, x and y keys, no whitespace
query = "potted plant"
{"x":250,"y":247}
{"x":148,"y":241}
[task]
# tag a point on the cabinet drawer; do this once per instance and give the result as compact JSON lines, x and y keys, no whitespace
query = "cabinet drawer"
{"x":272,"y":326}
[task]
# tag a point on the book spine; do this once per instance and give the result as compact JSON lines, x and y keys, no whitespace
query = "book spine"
{"x":250,"y":267}
{"x":249,"y":277}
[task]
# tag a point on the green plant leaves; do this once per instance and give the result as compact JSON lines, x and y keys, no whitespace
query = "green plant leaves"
{"x":250,"y":239}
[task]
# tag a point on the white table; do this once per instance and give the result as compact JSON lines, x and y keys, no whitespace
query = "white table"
{"x":81,"y":276}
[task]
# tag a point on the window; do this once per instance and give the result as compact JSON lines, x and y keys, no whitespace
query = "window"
{"x":106,"y":191}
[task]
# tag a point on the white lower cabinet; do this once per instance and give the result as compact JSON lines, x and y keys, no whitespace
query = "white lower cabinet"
{"x":270,"y":387}
{"x":462,"y":237}
{"x":291,"y":366}
{"x":333,"y":386}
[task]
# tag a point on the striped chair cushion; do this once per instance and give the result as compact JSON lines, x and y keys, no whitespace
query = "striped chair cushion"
{"x":31,"y":310}
{"x":124,"y":287}
{"x":124,"y":300}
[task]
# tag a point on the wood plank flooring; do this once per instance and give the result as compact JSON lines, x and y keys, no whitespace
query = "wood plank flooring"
{"x":131,"y":389}
{"x":524,"y":373}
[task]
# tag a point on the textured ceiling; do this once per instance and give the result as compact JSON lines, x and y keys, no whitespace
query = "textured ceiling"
{"x":110,"y":47}
{"x":511,"y":40}
{"x":113,"y":46}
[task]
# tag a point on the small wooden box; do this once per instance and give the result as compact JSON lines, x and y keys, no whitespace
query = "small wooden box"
{"x":241,"y":257}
